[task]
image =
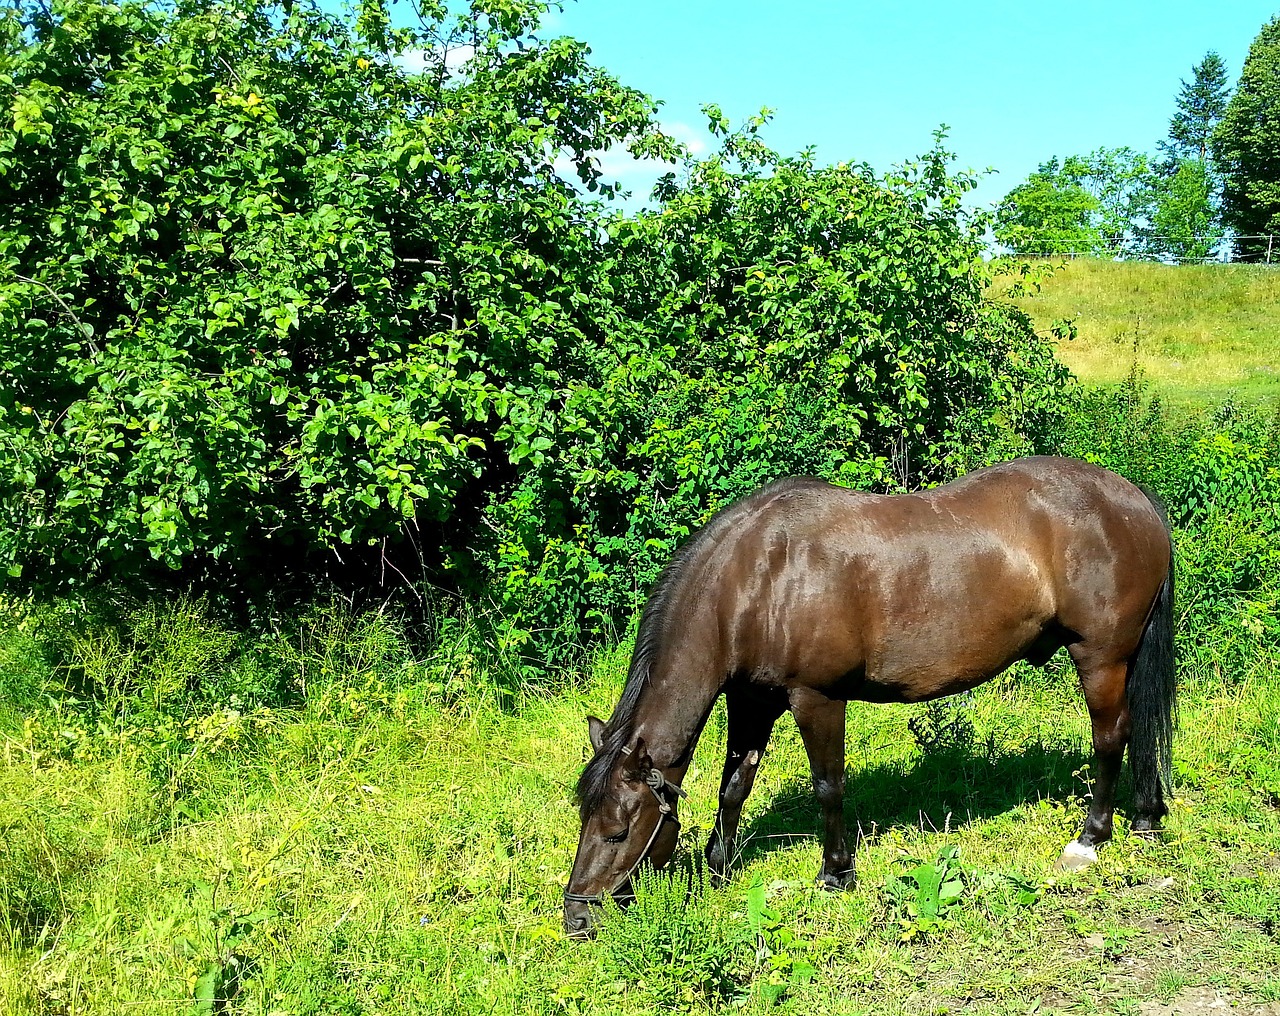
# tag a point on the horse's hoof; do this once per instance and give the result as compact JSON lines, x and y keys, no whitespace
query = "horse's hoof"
{"x":837,"y":883}
{"x":1075,"y":856}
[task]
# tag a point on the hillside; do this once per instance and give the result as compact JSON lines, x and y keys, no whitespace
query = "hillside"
{"x":1200,"y":332}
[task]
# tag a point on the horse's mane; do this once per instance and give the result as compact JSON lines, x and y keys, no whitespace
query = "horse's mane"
{"x":594,"y":781}
{"x":593,"y":784}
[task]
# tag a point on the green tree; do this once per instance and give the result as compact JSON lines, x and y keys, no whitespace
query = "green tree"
{"x":1246,"y":147}
{"x":1185,"y":224}
{"x":272,"y":305}
{"x":1085,"y":204}
{"x":808,"y":319}
{"x":264,"y":295}
{"x":1201,"y":104}
{"x":1049,"y":213}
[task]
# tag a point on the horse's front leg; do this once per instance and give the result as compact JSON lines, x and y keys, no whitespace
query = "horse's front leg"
{"x":821,"y":723}
{"x":750,"y":717}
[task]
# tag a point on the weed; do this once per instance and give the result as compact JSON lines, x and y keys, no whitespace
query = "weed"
{"x":926,"y":891}
{"x":673,"y":942}
{"x":777,"y":947}
{"x":943,"y":726}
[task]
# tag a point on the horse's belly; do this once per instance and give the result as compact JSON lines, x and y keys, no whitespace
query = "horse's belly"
{"x":944,"y":659}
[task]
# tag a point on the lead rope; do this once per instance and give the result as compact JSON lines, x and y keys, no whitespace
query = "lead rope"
{"x":657,"y":783}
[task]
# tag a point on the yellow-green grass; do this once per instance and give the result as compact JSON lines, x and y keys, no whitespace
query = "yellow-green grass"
{"x":410,"y":860}
{"x":1200,"y":332}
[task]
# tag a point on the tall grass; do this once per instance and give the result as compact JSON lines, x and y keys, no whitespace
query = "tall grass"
{"x":408,"y":856}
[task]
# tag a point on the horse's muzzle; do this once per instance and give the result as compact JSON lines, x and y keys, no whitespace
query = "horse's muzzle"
{"x":579,"y":922}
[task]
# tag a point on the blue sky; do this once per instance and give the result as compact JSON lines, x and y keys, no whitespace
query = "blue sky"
{"x":1016,"y":81}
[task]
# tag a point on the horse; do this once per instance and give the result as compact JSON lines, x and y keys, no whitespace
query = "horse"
{"x":805,"y":595}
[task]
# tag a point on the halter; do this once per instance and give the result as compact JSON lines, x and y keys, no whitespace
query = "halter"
{"x":658,"y":785}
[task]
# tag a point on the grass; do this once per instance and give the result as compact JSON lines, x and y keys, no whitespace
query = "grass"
{"x":322,"y":816}
{"x":408,"y":857}
{"x":1200,"y":332}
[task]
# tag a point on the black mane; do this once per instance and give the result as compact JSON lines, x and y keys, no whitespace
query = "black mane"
{"x":593,"y":784}
{"x":594,"y":781}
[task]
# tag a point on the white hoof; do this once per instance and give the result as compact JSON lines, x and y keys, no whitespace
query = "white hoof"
{"x":1075,"y":856}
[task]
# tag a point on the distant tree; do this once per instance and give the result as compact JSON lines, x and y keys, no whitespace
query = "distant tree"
{"x":1048,"y":214}
{"x":1184,"y":223}
{"x":1201,"y":104}
{"x":1085,"y":204}
{"x":1246,"y":147}
{"x":1120,"y":179}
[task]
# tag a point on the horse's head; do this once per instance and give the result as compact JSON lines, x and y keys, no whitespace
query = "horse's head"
{"x":628,"y":809}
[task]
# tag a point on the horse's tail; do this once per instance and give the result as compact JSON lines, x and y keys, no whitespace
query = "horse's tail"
{"x":1152,"y":692}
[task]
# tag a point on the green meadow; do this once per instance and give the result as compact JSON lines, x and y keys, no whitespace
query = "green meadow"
{"x":1201,"y":333}
{"x":352,"y":812}
{"x":342,"y":817}
{"x":296,"y":302}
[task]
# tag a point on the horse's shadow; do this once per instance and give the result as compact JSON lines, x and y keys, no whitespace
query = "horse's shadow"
{"x":945,"y":789}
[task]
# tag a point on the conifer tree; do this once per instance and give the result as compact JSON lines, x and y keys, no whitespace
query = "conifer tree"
{"x":1246,"y":147}
{"x":1201,"y":104}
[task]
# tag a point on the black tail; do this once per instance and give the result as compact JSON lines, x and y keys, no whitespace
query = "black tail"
{"x":1152,"y":692}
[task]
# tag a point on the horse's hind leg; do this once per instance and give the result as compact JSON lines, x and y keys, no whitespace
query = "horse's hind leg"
{"x":751,"y":716}
{"x":1104,"y":693}
{"x":821,"y":723}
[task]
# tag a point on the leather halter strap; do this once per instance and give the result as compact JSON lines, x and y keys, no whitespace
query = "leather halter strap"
{"x":658,"y":785}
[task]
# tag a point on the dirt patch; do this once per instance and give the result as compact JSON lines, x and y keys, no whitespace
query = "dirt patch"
{"x":1207,"y":1002}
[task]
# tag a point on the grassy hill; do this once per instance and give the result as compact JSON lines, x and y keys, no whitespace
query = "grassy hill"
{"x":1201,"y":332}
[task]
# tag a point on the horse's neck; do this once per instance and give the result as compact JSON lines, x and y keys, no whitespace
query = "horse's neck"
{"x":670,"y":715}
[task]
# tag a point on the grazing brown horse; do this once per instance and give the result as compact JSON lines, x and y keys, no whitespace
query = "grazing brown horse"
{"x":805,"y":595}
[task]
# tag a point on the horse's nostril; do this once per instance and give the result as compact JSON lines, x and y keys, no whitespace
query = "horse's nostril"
{"x":577,"y":925}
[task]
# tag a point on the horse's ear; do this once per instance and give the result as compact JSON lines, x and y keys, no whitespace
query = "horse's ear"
{"x":595,"y":731}
{"x":640,"y":759}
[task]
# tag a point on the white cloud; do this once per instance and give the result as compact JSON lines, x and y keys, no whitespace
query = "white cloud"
{"x":638,"y":176}
{"x":694,"y":139}
{"x":415,"y":61}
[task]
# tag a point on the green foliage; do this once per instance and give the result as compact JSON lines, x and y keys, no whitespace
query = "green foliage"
{"x":1086,"y":204}
{"x":1185,"y":219}
{"x":1245,"y":143}
{"x":1201,"y":104}
{"x":217,"y":944}
{"x":1219,"y":473}
{"x":816,"y":320}
{"x":777,"y":947}
{"x":925,"y":892}
{"x":672,"y":942}
{"x":264,"y":292}
{"x":269,"y":301}
{"x":1050,"y":213}
{"x":943,"y":726}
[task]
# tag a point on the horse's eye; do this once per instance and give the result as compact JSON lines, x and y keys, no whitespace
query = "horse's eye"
{"x":617,"y":837}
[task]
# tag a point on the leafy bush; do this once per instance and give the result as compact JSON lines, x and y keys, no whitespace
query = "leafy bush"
{"x":1219,"y":473}
{"x":263,"y":292}
{"x":274,"y":307}
{"x":811,"y":320}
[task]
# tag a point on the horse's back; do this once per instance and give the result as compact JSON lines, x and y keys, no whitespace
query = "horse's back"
{"x":910,"y":596}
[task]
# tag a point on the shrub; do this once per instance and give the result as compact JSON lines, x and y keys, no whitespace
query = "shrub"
{"x":1219,"y":472}
{"x":274,"y":308}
